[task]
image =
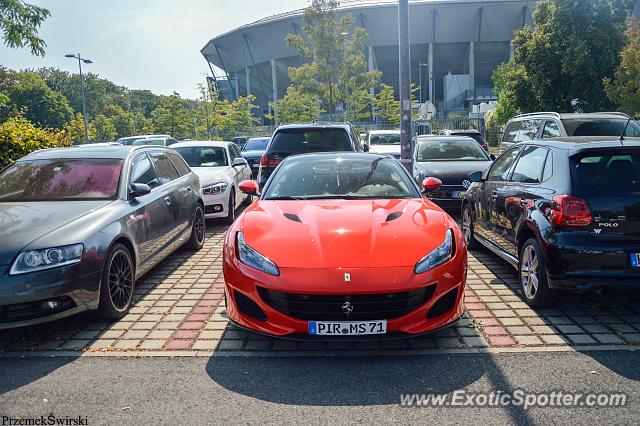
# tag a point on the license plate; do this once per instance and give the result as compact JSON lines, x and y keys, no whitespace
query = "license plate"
{"x":347,"y":328}
{"x":635,"y":260}
{"x":458,"y":194}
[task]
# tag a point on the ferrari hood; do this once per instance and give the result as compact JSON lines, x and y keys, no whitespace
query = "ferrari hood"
{"x":344,"y":233}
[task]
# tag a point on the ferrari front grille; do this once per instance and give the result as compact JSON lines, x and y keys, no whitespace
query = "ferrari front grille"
{"x":322,"y":307}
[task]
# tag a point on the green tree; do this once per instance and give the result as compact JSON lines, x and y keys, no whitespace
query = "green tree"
{"x":296,"y":107}
{"x":19,"y":137}
{"x":20,"y":22}
{"x":172,"y":117}
{"x":74,"y":130}
{"x":122,"y":122}
{"x":334,"y":52}
{"x":387,"y":106}
{"x":624,"y":88}
{"x":105,"y":130}
{"x":560,"y":64}
{"x":38,"y":103}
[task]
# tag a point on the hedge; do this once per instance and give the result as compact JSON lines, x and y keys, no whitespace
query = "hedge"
{"x":19,"y":137}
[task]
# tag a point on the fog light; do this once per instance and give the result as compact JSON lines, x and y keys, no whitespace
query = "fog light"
{"x":218,"y":208}
{"x":51,"y":304}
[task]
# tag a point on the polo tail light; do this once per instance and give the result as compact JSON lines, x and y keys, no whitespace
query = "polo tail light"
{"x":568,"y":210}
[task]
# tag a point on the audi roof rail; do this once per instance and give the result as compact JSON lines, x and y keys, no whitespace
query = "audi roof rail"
{"x":533,"y":114}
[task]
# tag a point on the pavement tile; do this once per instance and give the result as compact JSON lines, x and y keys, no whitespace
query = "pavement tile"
{"x":475,"y":342}
{"x":501,"y":340}
{"x":230,"y":345}
{"x":633,"y":338}
{"x":570,"y":329}
{"x":528,"y":340}
{"x":608,"y":338}
{"x":185,"y":334}
{"x":179,"y":344}
{"x":543,"y":329}
{"x":203,"y":345}
{"x":554,"y":339}
{"x":495,"y":330}
{"x":448,"y":342}
{"x":581,"y":339}
{"x":511,"y":321}
{"x":153,"y":344}
{"x":263,"y":345}
{"x":127,"y":344}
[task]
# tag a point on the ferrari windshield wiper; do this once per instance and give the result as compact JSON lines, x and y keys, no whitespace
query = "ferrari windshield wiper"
{"x":287,"y":197}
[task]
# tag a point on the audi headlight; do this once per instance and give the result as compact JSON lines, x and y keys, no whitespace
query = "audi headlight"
{"x":37,"y":260}
{"x":216,"y":188}
{"x":252,"y":258}
{"x":441,"y":254}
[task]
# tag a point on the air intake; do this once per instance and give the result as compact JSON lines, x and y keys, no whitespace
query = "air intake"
{"x":393,"y":216}
{"x":292,"y":217}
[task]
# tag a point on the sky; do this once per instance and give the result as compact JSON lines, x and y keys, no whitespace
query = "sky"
{"x":140,"y":44}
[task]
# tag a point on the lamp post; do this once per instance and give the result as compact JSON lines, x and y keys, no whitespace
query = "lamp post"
{"x":84,"y":106}
{"x":420,"y":65}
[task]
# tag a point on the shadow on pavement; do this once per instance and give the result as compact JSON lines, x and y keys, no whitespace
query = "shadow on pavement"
{"x":355,"y":381}
{"x":27,"y":370}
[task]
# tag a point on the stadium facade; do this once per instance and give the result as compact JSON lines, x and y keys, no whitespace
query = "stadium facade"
{"x":455,"y":47}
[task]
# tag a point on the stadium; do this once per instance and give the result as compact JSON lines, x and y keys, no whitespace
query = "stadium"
{"x":455,"y":47}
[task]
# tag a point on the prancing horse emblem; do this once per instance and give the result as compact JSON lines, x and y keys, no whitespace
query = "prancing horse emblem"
{"x":347,"y":278}
{"x":347,"y":308}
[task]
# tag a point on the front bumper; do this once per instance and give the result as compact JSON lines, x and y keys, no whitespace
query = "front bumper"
{"x":76,"y":288}
{"x":243,"y":282}
{"x":216,"y":205}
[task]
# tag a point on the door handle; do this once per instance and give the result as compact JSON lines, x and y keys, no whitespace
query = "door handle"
{"x":167,"y":200}
{"x":189,"y":189}
{"x":494,"y":195}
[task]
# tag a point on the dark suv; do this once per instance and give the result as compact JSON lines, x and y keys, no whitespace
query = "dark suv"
{"x":565,"y":212}
{"x":290,"y":139}
{"x":550,"y":125}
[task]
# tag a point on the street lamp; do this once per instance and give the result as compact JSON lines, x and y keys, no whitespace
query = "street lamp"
{"x":84,"y":106}
{"x":420,"y":65}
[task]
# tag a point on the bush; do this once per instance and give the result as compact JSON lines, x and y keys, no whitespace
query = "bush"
{"x":19,"y":137}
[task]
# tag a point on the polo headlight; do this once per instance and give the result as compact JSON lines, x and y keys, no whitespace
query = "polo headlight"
{"x":37,"y":260}
{"x":215,"y":189}
{"x":252,"y":258}
{"x":441,"y":254}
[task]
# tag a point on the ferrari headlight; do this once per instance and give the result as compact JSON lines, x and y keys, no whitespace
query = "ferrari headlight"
{"x":216,"y":188}
{"x":37,"y":260}
{"x":441,"y":254}
{"x":252,"y":258}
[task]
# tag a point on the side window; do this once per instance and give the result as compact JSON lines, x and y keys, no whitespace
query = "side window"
{"x":548,"y":167}
{"x":237,"y":151}
{"x":511,"y":132}
{"x":551,"y":130}
{"x":143,"y":172}
{"x":166,"y":170}
{"x":232,"y":153}
{"x":178,"y":161}
{"x":171,"y":141}
{"x":500,"y":169}
{"x":529,"y":166}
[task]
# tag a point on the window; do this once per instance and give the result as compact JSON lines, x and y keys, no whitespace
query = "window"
{"x":511,"y":132}
{"x":232,"y":153}
{"x":601,"y":127}
{"x":203,"y":156}
{"x":297,"y":141}
{"x":500,"y":169}
{"x":256,"y":144}
{"x":450,"y":150}
{"x":143,"y":172}
{"x":529,"y":166}
{"x":529,"y":130}
{"x":177,"y":161}
{"x":166,"y":171}
{"x":551,"y":130}
{"x":612,"y":170}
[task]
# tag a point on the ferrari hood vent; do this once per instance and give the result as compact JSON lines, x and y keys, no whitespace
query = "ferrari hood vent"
{"x":393,"y":216}
{"x":292,"y":217}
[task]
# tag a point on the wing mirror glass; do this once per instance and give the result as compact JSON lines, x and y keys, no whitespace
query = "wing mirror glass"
{"x":475,"y":177}
{"x":138,"y":190}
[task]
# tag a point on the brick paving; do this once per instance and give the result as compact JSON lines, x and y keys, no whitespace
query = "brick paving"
{"x":179,"y":310}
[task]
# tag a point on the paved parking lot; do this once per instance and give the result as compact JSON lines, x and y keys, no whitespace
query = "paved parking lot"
{"x":179,"y":312}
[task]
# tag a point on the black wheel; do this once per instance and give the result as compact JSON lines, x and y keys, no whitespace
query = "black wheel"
{"x":467,"y":227}
{"x":198,"y":230}
{"x":533,"y":275}
{"x":118,"y":283}
{"x":231,"y":209}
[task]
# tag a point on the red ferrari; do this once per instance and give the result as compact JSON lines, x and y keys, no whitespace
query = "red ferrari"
{"x":343,"y":245}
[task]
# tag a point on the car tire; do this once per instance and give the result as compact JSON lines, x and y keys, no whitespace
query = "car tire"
{"x":467,"y":227}
{"x":532,"y":272}
{"x":231,"y":208}
{"x":198,"y":230}
{"x":118,"y":284}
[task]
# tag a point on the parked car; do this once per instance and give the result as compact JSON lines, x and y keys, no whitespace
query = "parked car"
{"x":472,"y":133}
{"x":129,"y":140}
{"x":384,"y":142}
{"x":565,"y":212}
{"x":551,"y":125}
{"x":240,"y":141}
{"x":253,"y":151}
{"x":450,"y":159}
{"x":291,"y":139}
{"x":80,"y":226}
{"x":343,"y":245}
{"x":155,"y":141}
{"x":221,"y":169}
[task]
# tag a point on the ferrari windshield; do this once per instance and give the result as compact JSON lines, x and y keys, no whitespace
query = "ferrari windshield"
{"x":359,"y":176}
{"x":203,"y":156}
{"x":450,"y":150}
{"x":60,"y":180}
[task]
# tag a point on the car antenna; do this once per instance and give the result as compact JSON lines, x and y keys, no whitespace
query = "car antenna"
{"x":624,"y":131}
